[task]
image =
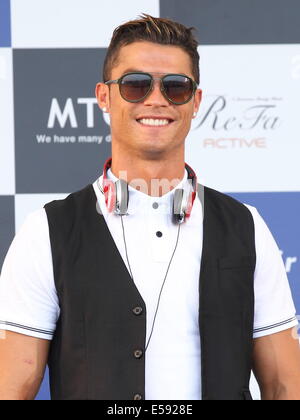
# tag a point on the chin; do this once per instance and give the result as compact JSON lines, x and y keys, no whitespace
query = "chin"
{"x":153,"y":152}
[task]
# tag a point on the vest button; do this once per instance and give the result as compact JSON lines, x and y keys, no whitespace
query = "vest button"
{"x":137,"y":310}
{"x":138,"y":354}
{"x":137,"y":397}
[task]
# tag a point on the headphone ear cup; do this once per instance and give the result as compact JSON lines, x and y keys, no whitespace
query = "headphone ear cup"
{"x":110,"y":195}
{"x":178,"y":211}
{"x":122,"y":197}
{"x":190,"y":202}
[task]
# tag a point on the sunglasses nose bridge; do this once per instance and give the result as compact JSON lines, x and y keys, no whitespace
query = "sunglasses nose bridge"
{"x":159,"y":81}
{"x":154,"y":81}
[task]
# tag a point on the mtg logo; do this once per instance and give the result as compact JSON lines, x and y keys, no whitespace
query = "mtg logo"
{"x":63,"y":114}
{"x":62,"y":138}
{"x":73,"y":113}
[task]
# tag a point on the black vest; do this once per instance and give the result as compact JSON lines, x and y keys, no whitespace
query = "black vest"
{"x":93,"y":352}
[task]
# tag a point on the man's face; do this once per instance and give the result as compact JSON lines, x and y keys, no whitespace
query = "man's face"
{"x":129,"y":134}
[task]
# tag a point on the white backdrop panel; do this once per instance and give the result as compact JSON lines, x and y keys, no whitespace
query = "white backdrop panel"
{"x":72,"y":23}
{"x":246,"y":136}
{"x":27,"y":203}
{"x":7,"y":155}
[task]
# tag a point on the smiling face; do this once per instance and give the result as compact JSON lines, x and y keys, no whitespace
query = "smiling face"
{"x":154,"y":128}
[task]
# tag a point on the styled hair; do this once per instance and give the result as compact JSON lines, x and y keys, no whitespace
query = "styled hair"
{"x":158,"y":30}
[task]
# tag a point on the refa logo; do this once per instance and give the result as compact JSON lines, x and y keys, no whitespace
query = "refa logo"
{"x":238,"y":122}
{"x":257,"y":116}
{"x":62,"y":114}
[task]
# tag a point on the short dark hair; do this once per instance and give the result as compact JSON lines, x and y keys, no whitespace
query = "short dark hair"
{"x":158,"y":30}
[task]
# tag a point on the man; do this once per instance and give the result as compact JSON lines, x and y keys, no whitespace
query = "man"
{"x":156,"y":290}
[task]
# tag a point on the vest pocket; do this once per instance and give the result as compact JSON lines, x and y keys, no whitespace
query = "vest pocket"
{"x":246,"y":261}
{"x":235,"y":286}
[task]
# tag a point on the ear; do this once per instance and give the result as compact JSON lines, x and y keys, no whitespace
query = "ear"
{"x":102,"y":95}
{"x":197,"y":101}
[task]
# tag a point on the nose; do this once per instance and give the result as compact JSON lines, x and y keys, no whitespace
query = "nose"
{"x":155,"y":96}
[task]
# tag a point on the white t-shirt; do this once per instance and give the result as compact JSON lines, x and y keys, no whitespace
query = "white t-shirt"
{"x":29,"y":302}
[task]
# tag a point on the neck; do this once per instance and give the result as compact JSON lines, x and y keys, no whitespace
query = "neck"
{"x":154,"y":177}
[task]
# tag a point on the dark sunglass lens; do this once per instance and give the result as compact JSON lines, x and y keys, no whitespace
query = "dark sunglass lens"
{"x":178,"y":88}
{"x":135,"y":86}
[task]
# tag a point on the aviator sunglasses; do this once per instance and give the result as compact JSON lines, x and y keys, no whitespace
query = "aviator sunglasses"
{"x":136,"y":86}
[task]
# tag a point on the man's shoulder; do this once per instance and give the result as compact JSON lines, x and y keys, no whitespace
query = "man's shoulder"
{"x":33,"y":226}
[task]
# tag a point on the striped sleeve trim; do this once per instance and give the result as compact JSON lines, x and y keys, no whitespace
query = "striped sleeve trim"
{"x":25,"y":327}
{"x":278,"y":324}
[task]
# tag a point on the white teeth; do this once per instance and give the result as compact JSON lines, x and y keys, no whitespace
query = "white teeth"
{"x":154,"y":122}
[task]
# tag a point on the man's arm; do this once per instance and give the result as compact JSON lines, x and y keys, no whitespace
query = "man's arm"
{"x":22,"y":365}
{"x":276,"y":365}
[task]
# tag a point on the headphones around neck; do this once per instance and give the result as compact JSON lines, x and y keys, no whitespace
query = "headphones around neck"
{"x":117,"y":196}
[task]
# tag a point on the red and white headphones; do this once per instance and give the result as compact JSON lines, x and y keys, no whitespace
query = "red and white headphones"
{"x":117,"y":197}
